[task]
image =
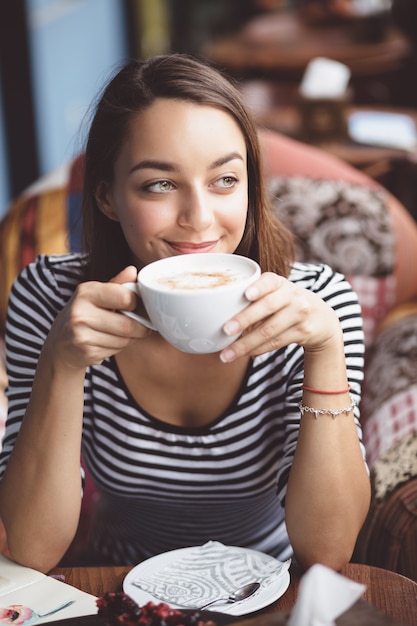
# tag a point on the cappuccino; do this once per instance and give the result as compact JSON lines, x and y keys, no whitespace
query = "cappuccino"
{"x":190,"y":280}
{"x":188,"y":298}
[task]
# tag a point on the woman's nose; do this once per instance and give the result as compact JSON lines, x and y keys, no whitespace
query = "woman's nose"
{"x":196,"y":211}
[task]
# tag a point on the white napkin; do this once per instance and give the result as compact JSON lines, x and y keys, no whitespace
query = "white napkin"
{"x":325,"y":78}
{"x":210,"y":571}
{"x":323,"y":596}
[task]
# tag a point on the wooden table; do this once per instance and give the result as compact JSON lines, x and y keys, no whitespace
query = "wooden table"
{"x":281,"y":44}
{"x":394,"y":595}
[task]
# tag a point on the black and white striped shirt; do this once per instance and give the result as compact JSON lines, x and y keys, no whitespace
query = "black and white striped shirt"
{"x":161,"y":486}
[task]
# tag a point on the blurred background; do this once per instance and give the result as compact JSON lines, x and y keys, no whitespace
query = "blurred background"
{"x":55,"y":55}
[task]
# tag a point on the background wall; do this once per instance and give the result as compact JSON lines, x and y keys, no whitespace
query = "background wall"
{"x":73,"y":45}
{"x":55,"y":56}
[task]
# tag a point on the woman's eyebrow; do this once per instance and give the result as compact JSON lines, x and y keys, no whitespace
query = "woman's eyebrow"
{"x":225,"y":159}
{"x":166,"y":166}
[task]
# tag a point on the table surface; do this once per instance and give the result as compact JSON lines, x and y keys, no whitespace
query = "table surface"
{"x":282,"y":43}
{"x":287,"y":120}
{"x":392,"y":594}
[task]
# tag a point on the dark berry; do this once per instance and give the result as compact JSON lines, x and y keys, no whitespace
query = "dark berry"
{"x":119,"y":609}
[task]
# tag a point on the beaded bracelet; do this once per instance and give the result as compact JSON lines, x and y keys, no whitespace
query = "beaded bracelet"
{"x":333,"y":412}
{"x":324,"y":392}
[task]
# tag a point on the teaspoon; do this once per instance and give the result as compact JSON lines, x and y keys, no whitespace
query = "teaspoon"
{"x":241,"y":594}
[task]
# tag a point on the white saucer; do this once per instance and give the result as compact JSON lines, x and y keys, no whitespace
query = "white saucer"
{"x":271,"y":589}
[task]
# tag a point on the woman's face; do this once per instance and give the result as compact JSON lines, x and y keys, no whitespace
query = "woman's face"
{"x":180,"y":182}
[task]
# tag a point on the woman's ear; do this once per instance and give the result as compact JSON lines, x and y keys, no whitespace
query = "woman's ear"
{"x":104,"y":202}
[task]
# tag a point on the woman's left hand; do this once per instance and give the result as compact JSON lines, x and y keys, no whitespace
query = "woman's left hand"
{"x":281,"y":313}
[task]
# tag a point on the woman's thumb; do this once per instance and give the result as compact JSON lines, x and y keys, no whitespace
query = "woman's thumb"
{"x":128,"y":275}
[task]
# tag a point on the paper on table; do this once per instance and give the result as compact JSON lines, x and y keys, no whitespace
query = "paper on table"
{"x":210,"y":571}
{"x":29,"y":597}
{"x":323,"y":596}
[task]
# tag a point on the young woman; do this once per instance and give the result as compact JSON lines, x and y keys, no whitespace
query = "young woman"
{"x":258,"y":446}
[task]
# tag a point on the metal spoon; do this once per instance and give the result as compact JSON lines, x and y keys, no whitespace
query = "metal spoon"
{"x":241,"y":594}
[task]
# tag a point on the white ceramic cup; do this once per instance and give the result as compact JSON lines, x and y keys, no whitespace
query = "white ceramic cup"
{"x":189,"y":298}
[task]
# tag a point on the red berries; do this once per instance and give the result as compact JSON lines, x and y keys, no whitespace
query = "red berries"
{"x":119,"y":609}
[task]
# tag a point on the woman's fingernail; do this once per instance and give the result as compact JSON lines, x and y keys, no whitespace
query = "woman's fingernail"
{"x":227,"y":355}
{"x":232,"y":327}
{"x":252,"y":292}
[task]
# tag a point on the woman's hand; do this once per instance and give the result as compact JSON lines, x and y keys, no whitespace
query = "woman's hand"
{"x":281,"y":313}
{"x":89,"y":328}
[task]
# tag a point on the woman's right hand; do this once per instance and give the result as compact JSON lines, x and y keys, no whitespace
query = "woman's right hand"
{"x":89,"y":328}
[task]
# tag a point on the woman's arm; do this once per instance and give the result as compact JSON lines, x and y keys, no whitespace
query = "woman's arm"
{"x":40,"y":492}
{"x":328,"y":490}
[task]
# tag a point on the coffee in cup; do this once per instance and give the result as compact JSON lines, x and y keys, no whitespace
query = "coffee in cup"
{"x":189,"y":298}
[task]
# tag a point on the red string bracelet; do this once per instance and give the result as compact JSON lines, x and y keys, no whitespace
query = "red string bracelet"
{"x":326,"y":393}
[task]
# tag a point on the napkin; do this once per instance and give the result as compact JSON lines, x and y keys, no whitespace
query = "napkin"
{"x":323,"y":596}
{"x":325,"y":78}
{"x":210,"y":571}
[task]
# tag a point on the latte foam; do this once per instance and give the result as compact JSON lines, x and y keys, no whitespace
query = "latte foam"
{"x":198,"y":280}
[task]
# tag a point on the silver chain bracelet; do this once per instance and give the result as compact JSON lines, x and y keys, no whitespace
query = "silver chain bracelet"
{"x":333,"y":412}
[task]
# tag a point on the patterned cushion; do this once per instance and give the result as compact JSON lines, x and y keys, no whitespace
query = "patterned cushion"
{"x":347,"y":226}
{"x":389,"y":405}
{"x":376,"y":296}
{"x":339,"y":223}
{"x":396,"y":466}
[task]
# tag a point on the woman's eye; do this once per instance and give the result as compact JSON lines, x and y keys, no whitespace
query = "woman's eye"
{"x":160,"y":186}
{"x":226,"y":182}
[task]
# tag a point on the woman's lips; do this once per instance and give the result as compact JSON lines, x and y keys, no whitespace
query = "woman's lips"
{"x":184,"y":247}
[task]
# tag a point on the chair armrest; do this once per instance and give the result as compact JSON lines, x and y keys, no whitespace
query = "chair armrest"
{"x":284,"y":156}
{"x":388,"y":538}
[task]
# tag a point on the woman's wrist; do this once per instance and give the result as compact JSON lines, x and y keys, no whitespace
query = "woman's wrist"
{"x":56,"y":364}
{"x":325,"y":376}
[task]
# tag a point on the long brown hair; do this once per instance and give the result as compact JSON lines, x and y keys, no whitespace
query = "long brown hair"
{"x":134,"y":88}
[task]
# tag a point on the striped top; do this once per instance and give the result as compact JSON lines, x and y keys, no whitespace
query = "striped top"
{"x":162,"y":486}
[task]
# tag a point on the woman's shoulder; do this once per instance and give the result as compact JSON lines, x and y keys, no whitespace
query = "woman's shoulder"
{"x":40,"y":291}
{"x":75,"y":260}
{"x":331,"y":286}
{"x":51,"y":274}
{"x":68,"y":267}
{"x":315,"y":276}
